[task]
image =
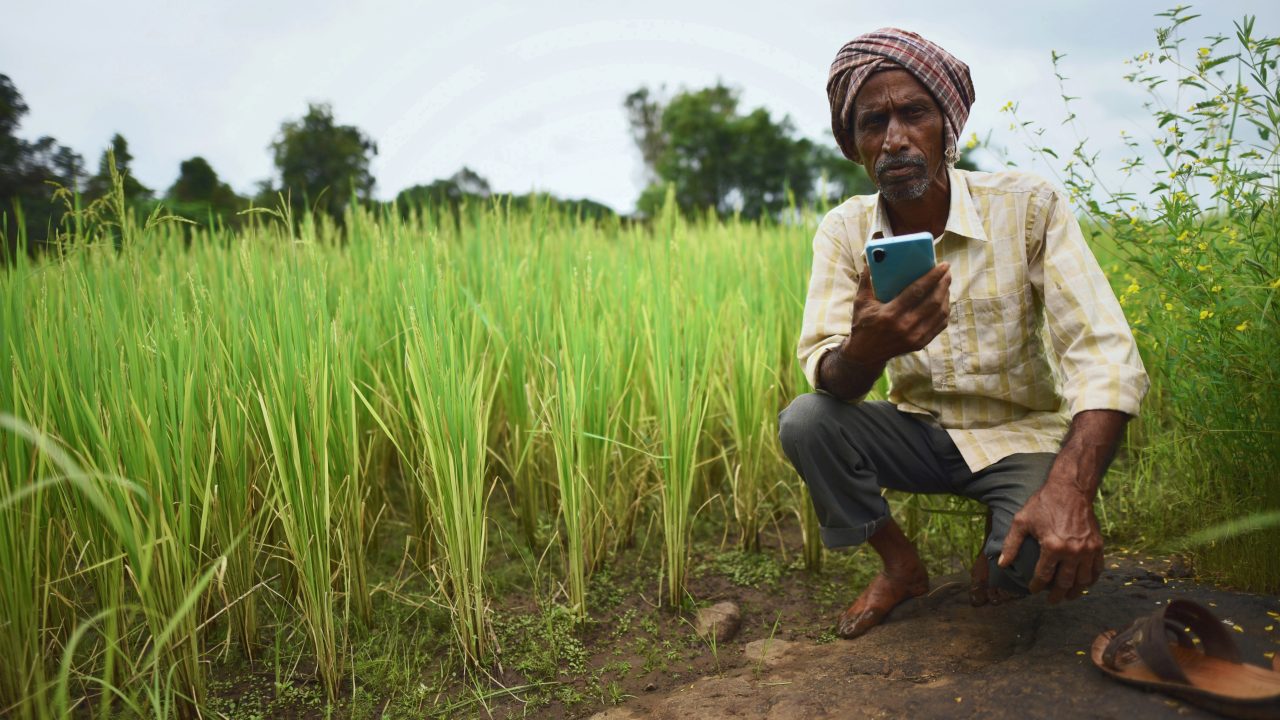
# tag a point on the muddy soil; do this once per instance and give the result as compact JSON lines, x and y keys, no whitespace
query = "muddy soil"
{"x":941,"y":658}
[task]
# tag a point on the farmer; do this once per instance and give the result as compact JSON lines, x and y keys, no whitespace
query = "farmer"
{"x":1012,"y":371}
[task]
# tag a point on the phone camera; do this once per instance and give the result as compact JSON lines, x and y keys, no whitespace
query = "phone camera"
{"x":877,"y":254}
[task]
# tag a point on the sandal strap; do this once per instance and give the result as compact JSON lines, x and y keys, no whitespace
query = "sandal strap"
{"x":1148,"y":639}
{"x":1215,"y":641}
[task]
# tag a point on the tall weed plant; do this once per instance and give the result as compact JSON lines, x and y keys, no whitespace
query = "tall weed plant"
{"x":1195,"y":257}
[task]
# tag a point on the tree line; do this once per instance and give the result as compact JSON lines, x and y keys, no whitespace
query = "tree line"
{"x":700,"y":142}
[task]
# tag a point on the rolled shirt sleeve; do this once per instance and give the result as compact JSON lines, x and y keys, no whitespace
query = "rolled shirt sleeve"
{"x":1090,"y":337}
{"x":828,"y":307}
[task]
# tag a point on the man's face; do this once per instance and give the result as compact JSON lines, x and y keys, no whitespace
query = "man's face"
{"x":897,"y":130}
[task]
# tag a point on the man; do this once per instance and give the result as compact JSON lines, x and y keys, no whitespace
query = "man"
{"x":1012,"y":370}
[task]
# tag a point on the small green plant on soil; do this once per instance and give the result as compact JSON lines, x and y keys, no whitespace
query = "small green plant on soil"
{"x":747,"y":569}
{"x":544,"y":647}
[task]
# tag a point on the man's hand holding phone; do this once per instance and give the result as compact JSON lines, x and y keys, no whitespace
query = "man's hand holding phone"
{"x":909,"y":322}
{"x":888,"y":322}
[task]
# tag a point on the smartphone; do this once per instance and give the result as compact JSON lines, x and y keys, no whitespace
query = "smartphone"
{"x":898,"y":261}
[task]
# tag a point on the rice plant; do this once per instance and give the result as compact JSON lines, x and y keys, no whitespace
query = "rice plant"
{"x":678,"y":375}
{"x":748,"y":386}
{"x":451,"y":384}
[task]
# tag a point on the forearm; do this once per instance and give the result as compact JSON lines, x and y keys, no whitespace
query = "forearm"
{"x":1087,"y":451}
{"x":846,"y":377}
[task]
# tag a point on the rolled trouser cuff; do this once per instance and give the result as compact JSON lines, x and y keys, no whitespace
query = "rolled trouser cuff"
{"x":838,"y":537}
{"x":1015,"y":579}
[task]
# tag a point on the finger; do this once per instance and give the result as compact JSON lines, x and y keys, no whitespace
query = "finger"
{"x":1012,"y":543}
{"x":939,"y":324}
{"x":921,"y":289}
{"x":1063,"y":580}
{"x":937,"y":304}
{"x":866,"y":293}
{"x":1084,"y":578}
{"x":942,"y":291}
{"x":1046,"y":567}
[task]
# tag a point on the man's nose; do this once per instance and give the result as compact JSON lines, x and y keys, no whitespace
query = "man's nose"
{"x":895,"y":137}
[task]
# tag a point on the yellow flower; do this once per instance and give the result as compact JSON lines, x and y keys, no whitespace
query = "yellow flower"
{"x":1202,"y":268}
{"x":1202,"y":246}
{"x":1243,"y":326}
{"x":973,"y":142}
{"x":1215,"y":289}
{"x":1183,"y":237}
{"x":1168,"y":306}
{"x":1204,"y":52}
{"x":1132,"y":289}
{"x":1007,"y":107}
{"x":1206,"y":314}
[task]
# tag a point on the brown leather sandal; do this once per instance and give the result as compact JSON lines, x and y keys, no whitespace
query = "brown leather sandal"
{"x":1160,"y":653}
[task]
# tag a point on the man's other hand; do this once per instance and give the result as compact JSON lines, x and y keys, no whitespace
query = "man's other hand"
{"x":883,"y":331}
{"x":1062,"y":519}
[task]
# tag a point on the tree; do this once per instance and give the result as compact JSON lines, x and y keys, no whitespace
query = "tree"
{"x":717,"y":157}
{"x":323,"y":163}
{"x":644,"y":115}
{"x":100,"y":184}
{"x":468,"y":186}
{"x":29,"y":172}
{"x":198,"y":193}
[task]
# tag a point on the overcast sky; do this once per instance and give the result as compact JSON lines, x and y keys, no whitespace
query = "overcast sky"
{"x":529,"y":94}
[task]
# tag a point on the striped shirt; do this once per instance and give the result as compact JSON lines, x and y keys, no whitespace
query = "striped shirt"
{"x":1035,"y":334}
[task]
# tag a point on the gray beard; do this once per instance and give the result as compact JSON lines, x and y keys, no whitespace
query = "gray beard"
{"x":909,"y":191}
{"x":913,"y":190}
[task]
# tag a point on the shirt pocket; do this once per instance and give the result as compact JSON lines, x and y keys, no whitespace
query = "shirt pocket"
{"x":989,"y":334}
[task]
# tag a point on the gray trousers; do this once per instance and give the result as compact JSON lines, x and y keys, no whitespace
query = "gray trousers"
{"x":847,"y":452}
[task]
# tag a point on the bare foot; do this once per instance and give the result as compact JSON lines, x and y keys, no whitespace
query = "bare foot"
{"x":979,"y":593}
{"x":881,"y":595}
{"x":978,"y":580}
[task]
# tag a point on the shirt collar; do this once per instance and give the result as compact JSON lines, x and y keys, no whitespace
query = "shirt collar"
{"x":962,"y":219}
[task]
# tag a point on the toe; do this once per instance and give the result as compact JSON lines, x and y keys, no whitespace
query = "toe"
{"x":852,"y":627}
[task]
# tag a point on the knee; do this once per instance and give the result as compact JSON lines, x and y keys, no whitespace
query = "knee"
{"x":804,"y":419}
{"x":1015,"y":579}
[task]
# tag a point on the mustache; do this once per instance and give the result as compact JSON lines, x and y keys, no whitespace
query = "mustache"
{"x":894,"y":162}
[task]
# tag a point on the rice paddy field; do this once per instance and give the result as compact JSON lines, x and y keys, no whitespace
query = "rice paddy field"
{"x":415,"y":464}
{"x":226,"y":450}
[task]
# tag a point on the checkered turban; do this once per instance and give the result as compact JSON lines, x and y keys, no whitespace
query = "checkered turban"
{"x":887,"y":49}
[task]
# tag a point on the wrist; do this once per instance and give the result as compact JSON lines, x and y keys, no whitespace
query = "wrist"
{"x":852,"y":352}
{"x":1066,"y":477}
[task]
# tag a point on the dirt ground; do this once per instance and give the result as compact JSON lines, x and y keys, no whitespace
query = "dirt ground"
{"x":942,"y":658}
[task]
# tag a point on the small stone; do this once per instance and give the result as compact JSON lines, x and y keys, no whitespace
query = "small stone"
{"x":650,"y":687}
{"x":768,"y":652}
{"x":720,"y":621}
